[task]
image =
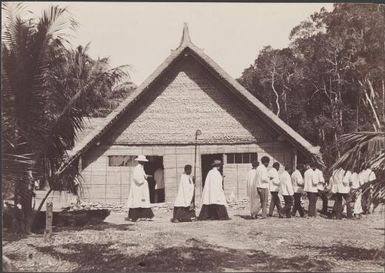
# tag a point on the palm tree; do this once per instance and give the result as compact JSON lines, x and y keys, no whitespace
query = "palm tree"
{"x":44,"y":92}
{"x":361,"y":150}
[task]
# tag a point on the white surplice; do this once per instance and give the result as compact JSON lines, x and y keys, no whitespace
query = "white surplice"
{"x":185,"y":191}
{"x":213,"y":191}
{"x":139,"y":195}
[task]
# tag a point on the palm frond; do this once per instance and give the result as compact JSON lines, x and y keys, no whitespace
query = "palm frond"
{"x":361,"y":150}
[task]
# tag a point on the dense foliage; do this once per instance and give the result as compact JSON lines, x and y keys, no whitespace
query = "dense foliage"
{"x":47,"y":89}
{"x":330,"y":79}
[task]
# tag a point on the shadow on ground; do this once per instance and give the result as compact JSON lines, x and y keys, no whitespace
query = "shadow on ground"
{"x":102,"y":226}
{"x":348,"y":253}
{"x":194,"y":256}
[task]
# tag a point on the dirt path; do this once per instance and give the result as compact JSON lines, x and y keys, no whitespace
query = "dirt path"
{"x":272,"y":244}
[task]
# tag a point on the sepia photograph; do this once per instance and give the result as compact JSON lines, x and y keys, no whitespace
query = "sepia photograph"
{"x":192,"y":136}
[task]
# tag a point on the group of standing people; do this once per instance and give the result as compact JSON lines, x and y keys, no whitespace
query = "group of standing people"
{"x":213,"y":196}
{"x":306,"y":179}
{"x":264,"y":184}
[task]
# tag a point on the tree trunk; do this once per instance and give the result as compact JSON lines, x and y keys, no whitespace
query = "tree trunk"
{"x":275,"y":92}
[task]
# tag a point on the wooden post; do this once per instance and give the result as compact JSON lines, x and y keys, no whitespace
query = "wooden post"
{"x":48,"y":221}
{"x":295,"y":159}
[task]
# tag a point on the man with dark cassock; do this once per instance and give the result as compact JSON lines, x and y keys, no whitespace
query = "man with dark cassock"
{"x":139,"y":195}
{"x":213,"y":196}
{"x":182,"y":205}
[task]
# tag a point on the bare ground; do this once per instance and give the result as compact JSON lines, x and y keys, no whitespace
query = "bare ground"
{"x":241,"y":244}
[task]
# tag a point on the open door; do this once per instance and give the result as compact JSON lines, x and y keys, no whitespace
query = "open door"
{"x":154,"y":162}
{"x":207,"y":160}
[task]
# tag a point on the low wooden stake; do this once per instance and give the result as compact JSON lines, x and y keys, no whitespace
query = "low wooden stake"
{"x":48,"y":221}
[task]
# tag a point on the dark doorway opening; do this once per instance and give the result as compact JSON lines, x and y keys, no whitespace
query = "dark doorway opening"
{"x":154,"y":163}
{"x":207,"y":160}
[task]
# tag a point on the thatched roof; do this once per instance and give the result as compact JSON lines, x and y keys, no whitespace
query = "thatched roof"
{"x":187,"y":47}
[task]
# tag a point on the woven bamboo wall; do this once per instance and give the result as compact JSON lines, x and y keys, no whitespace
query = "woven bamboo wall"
{"x":108,"y":184}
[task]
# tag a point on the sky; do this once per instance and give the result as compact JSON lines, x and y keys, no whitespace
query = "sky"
{"x":142,"y":35}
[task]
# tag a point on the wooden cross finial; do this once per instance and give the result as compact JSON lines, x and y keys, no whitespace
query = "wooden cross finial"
{"x":186,"y":35}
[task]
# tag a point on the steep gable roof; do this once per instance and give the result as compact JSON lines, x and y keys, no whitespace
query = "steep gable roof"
{"x":187,"y":47}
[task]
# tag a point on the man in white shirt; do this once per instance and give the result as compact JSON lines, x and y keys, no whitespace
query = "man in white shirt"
{"x":342,"y":179}
{"x":159,"y":184}
{"x":367,"y":176}
{"x":310,"y":187}
{"x":322,"y":193}
{"x":252,"y":190}
{"x":262,"y":183}
{"x":297,"y":180}
{"x":287,"y":192}
{"x":274,"y":189}
{"x":356,"y":195}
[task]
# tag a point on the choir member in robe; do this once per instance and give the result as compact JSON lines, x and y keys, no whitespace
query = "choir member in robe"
{"x":252,"y":190}
{"x":183,"y":211}
{"x":213,"y":196}
{"x":139,"y":195}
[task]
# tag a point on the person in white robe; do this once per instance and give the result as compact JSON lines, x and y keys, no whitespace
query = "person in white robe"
{"x":356,"y":194}
{"x":287,"y":192}
{"x":139,"y":195}
{"x":213,"y":197}
{"x":297,"y":180}
{"x":183,"y":211}
{"x":252,"y":192}
{"x":274,"y":187}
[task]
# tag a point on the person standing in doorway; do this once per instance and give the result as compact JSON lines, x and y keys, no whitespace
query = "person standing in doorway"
{"x":159,"y":184}
{"x":287,"y":192}
{"x":310,"y":187}
{"x":182,"y":206}
{"x":139,"y":196}
{"x":252,"y":190}
{"x":213,"y":196}
{"x":262,"y":182}
{"x":274,"y":189}
{"x":297,"y":180}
